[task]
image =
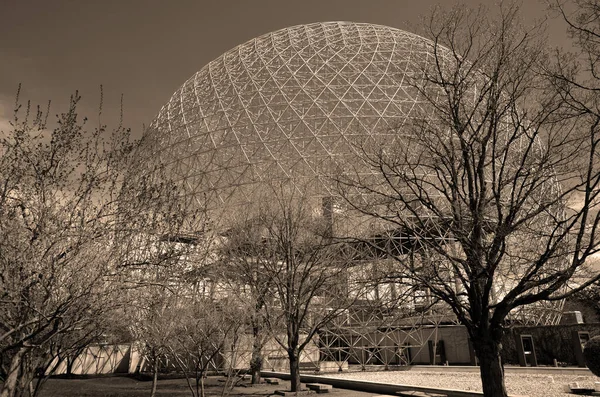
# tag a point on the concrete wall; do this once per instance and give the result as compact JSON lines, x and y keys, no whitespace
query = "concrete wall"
{"x":99,"y":359}
{"x":377,"y":347}
{"x":550,"y":342}
{"x":275,"y":357}
{"x":456,"y":343}
{"x":387,"y":346}
{"x":380,"y":348}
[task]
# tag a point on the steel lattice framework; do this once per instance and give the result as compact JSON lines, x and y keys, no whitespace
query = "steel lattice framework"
{"x":292,"y":105}
{"x":289,"y":104}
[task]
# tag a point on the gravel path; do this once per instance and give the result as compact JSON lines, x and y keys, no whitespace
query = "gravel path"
{"x":542,"y":385}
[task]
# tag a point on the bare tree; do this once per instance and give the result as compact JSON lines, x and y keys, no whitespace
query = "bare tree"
{"x":69,"y":216}
{"x":471,"y":191}
{"x":161,"y":274}
{"x":65,"y":349}
{"x":298,"y":269}
{"x":242,"y":260}
{"x":59,"y":194}
{"x":153,"y":325}
{"x":206,"y":329}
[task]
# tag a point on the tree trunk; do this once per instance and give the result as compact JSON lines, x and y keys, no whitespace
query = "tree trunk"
{"x":11,"y":381}
{"x":38,"y":385}
{"x":43,"y":374}
{"x":154,"y":376}
{"x":197,"y":387}
{"x":256,"y":367}
{"x":295,"y":384}
{"x":491,"y":368}
{"x":23,"y":382}
{"x":70,"y":362}
{"x":256,"y":361}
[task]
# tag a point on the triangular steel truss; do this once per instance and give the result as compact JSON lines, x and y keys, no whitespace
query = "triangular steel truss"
{"x":296,"y":105}
{"x":292,"y":104}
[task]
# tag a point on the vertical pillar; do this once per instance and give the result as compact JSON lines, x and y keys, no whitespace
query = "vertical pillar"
{"x":579,"y":339}
{"x":437,"y":353}
{"x":327,"y":209}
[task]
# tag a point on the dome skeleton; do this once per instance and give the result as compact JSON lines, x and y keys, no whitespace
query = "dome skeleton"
{"x":295,"y":115}
{"x":293,"y":105}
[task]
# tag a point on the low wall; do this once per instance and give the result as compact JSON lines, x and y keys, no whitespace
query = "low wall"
{"x":507,"y":369}
{"x":373,"y":387}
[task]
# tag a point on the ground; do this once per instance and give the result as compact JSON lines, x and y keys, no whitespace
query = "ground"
{"x":532,"y":385}
{"x":128,"y":387}
{"x":522,"y":384}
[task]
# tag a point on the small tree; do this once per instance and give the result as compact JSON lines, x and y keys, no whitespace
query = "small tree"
{"x":64,"y":349}
{"x":161,"y":271}
{"x":58,"y":206}
{"x":71,"y":217}
{"x":302,"y":268}
{"x":153,"y":326}
{"x":470,"y":191}
{"x":244,"y":274}
{"x":205,"y":330}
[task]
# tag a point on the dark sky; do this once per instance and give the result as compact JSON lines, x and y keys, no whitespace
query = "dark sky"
{"x":145,"y":49}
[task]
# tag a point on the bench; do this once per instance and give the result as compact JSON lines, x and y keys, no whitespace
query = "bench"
{"x":319,"y":387}
{"x":292,"y":393}
{"x":414,"y":393}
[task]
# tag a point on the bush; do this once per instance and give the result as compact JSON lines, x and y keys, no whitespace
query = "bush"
{"x":591,"y":354}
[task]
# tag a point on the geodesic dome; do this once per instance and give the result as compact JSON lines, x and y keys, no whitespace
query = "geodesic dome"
{"x":289,"y":105}
{"x":295,"y":105}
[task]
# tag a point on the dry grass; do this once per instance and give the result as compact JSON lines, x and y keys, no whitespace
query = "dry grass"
{"x":128,"y":387}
